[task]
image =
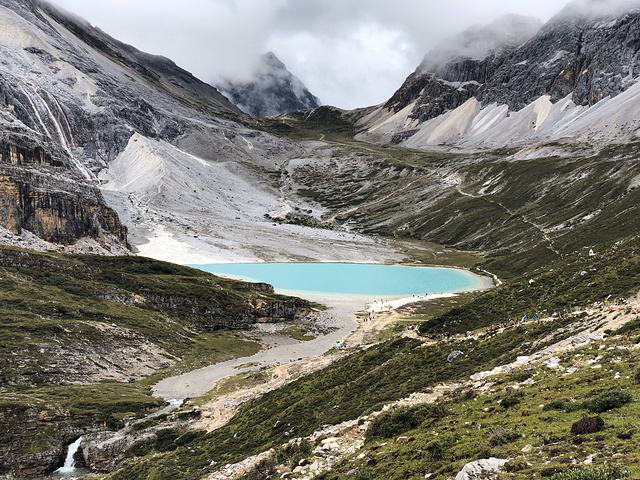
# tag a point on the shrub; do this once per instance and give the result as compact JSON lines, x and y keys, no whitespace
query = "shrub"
{"x":165,"y":440}
{"x":502,"y":436}
{"x":522,"y":375}
{"x":403,"y":419}
{"x":515,"y":466}
{"x":606,"y":472}
{"x":435,"y":450}
{"x":602,"y":403}
{"x":294,"y":453}
{"x":511,"y":399}
{"x":607,"y":401}
{"x":190,"y":437}
{"x":556,"y":405}
{"x":630,"y":326}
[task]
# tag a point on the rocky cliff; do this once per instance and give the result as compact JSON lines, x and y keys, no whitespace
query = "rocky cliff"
{"x":454,"y":71}
{"x":272,"y":90}
{"x":72,"y":89}
{"x":579,"y":53}
{"x":42,"y":192}
{"x":523,"y":89}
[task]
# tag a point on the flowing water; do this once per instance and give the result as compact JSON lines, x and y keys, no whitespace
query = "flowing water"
{"x":69,"y":462}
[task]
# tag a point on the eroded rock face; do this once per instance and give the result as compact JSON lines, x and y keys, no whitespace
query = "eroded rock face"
{"x":470,"y":92}
{"x":40,"y":192}
{"x":586,"y":56}
{"x":14,"y":460}
{"x":453,"y":73}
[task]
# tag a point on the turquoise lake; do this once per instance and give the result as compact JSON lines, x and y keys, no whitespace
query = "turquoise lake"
{"x":352,"y":279}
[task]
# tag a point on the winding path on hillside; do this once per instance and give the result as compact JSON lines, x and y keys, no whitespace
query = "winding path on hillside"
{"x":551,"y":246}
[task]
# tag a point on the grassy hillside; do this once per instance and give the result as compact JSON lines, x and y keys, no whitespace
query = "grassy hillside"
{"x":559,"y":230}
{"x":82,"y":337}
{"x":497,"y":202}
{"x":525,"y":416}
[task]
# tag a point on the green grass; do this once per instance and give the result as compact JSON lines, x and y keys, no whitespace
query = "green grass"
{"x":478,"y":427}
{"x":574,"y":280}
{"x":298,"y":333}
{"x":342,"y":391}
{"x":62,"y":318}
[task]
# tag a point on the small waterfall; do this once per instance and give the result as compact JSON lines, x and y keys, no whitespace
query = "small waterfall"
{"x":69,"y":462}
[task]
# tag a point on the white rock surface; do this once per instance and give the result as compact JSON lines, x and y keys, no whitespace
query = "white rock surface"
{"x":481,"y":469}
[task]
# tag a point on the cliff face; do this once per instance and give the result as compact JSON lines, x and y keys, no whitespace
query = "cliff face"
{"x":488,"y":90}
{"x":453,"y":72}
{"x":586,"y":56}
{"x":40,"y":192}
{"x":79,"y":96}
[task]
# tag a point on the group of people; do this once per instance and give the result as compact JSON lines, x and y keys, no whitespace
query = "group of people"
{"x":513,"y":323}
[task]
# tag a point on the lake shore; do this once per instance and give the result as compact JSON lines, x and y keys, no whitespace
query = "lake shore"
{"x":341,"y":316}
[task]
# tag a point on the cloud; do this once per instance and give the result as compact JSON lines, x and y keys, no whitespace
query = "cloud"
{"x":350,"y":53}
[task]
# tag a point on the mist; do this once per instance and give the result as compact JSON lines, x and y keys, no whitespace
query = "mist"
{"x":349,"y":53}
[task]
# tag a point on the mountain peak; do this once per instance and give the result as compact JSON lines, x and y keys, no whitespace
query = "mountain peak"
{"x":271,"y":90}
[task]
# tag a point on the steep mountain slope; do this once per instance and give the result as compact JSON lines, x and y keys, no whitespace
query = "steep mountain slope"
{"x":545,"y":89}
{"x":272,"y":90}
{"x":90,"y":98}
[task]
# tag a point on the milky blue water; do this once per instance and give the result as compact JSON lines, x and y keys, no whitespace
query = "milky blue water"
{"x":351,"y":279}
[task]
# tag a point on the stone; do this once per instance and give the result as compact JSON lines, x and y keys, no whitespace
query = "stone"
{"x":481,"y":469}
{"x":587,"y":425}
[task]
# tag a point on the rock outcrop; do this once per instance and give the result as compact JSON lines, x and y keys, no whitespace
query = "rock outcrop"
{"x":60,"y":431}
{"x":272,"y":90}
{"x":41,"y":191}
{"x":582,"y":54}
{"x":485,"y":469}
{"x":454,"y":72}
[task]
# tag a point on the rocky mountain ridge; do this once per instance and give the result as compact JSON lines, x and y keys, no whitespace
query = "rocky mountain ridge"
{"x":542,"y":89}
{"x":272,"y":90}
{"x":70,"y":86}
{"x":173,"y":158}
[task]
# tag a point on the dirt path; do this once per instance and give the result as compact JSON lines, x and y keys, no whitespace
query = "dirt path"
{"x":217,"y":413}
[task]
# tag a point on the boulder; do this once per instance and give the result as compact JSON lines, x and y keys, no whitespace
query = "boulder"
{"x":587,"y":425}
{"x":481,"y":469}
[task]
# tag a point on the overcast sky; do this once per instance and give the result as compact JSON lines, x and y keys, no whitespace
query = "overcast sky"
{"x":349,"y":53}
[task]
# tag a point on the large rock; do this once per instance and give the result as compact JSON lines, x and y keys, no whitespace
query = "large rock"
{"x":481,"y":469}
{"x":43,"y":192}
{"x":587,"y":425}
